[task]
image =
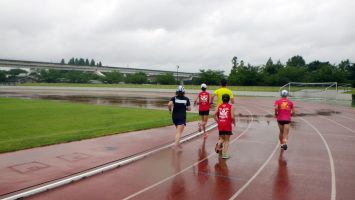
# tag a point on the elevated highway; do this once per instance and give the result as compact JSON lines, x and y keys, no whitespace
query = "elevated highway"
{"x":34,"y":65}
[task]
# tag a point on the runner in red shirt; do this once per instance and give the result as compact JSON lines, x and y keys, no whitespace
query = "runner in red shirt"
{"x":203,"y":101}
{"x":283,"y":111}
{"x":224,"y":116}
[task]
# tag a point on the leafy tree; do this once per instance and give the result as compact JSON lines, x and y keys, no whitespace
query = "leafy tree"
{"x":2,"y":76}
{"x":62,"y":61}
{"x":113,"y":77}
{"x":248,"y":75}
{"x":235,"y":61}
{"x":99,"y":64}
{"x":296,"y":61}
{"x":316,"y":65}
{"x":210,"y":77}
{"x":76,"y":61}
{"x":166,"y":79}
{"x":81,"y":62}
{"x":344,"y":70}
{"x":351,"y":71}
{"x":137,"y":78}
{"x":87,"y":62}
{"x":92,"y":62}
{"x":232,"y":78}
{"x":271,"y":68}
{"x":71,"y":61}
{"x":15,"y":72}
{"x":78,"y":76}
{"x":50,"y":76}
{"x":291,"y":74}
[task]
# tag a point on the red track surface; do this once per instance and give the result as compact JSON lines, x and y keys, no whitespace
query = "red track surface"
{"x":319,"y":163}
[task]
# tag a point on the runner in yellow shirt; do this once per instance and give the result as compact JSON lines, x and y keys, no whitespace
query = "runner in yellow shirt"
{"x":221,"y":91}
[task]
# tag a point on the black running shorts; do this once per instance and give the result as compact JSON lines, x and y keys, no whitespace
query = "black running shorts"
{"x":281,"y":122}
{"x":225,"y":133}
{"x":207,"y":112}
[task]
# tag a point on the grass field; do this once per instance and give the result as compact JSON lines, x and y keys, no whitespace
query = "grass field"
{"x":189,"y":87}
{"x":194,"y":87}
{"x":33,"y":123}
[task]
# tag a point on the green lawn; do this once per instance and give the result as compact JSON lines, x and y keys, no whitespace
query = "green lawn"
{"x":32,"y":123}
{"x":194,"y":87}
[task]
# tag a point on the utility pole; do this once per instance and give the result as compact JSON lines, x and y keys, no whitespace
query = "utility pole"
{"x":177,"y":74}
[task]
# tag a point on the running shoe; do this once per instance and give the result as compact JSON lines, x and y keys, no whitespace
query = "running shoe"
{"x":177,"y":147}
{"x":216,"y":148}
{"x":284,"y":146}
{"x":205,"y":135}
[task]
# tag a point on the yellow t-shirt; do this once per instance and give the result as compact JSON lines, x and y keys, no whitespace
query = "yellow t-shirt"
{"x":221,"y":91}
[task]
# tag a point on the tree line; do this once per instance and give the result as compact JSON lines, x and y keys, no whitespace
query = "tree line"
{"x":278,"y":74}
{"x":270,"y":74}
{"x":81,"y":62}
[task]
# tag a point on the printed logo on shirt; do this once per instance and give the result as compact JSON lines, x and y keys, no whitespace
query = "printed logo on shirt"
{"x":180,"y":101}
{"x":284,"y":105}
{"x":204,"y":98}
{"x":223,"y":113}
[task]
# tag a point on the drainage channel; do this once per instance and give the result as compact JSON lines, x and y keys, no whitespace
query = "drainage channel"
{"x":97,"y":170}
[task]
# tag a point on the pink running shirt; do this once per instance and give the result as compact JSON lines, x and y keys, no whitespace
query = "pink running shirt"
{"x":284,"y":107}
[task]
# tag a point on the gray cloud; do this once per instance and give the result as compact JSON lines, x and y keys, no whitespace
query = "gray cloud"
{"x":161,"y":34}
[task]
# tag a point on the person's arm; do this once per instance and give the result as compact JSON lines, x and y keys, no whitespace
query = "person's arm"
{"x":233,"y":116}
{"x":276,"y":110}
{"x":214,"y":94}
{"x":212,"y":98}
{"x":188,"y":108}
{"x":195,"y":101}
{"x":170,"y":106}
{"x":232,"y":100}
{"x":188,"y":105}
{"x":232,"y":97}
{"x":215,"y":115}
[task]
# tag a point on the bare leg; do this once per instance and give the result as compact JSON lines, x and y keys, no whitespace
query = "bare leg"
{"x":225,"y":144}
{"x":179,"y":130}
{"x":200,"y":123}
{"x":286,"y":129}
{"x":281,"y":128}
{"x":204,"y":122}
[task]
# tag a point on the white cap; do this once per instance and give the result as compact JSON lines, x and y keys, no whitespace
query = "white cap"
{"x":284,"y":93}
{"x":180,"y":89}
{"x":203,"y":85}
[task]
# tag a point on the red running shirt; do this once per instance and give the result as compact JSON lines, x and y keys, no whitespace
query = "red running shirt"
{"x":204,"y":101}
{"x":284,"y":107}
{"x":224,"y":117}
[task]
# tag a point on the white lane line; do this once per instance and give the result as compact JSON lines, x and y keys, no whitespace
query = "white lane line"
{"x":332,"y":168}
{"x":99,"y":170}
{"x":256,"y":173}
{"x":259,"y":170}
{"x":187,"y":168}
{"x":346,"y":117}
{"x":337,"y":123}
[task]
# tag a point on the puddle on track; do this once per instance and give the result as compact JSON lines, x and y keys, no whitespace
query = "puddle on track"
{"x":124,"y":101}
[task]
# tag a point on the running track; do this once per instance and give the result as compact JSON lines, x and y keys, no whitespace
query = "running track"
{"x":319,"y":163}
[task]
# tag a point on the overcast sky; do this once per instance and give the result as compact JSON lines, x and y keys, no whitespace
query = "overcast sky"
{"x":161,"y":34}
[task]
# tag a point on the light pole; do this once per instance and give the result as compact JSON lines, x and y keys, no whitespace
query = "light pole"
{"x":177,"y":74}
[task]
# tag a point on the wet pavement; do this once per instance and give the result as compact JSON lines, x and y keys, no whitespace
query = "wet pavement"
{"x":317,"y":165}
